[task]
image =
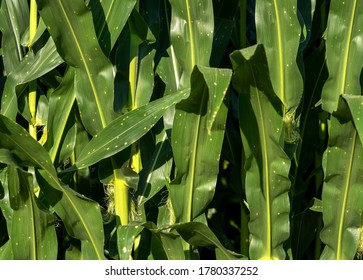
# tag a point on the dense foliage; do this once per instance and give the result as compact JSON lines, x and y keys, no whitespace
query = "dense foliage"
{"x":181,"y":129}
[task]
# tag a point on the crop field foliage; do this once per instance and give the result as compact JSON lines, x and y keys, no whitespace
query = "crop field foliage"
{"x":181,"y":129}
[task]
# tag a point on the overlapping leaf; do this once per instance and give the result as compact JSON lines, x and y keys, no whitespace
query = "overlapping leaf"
{"x":191,"y":26}
{"x":71,"y":26}
{"x":30,"y":68}
{"x":33,"y":235}
{"x":278,"y":29}
{"x":80,"y":215}
{"x":197,"y":138}
{"x":266,"y":164}
{"x":110,"y":16}
{"x":342,"y":191}
{"x":14,"y":20}
{"x":344,"y":55}
{"x":126,"y":129}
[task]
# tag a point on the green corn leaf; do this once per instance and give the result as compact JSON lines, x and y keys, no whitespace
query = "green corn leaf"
{"x":125,"y":239}
{"x":342,"y":191}
{"x":30,"y":68}
{"x":266,"y":164}
{"x":278,"y":29}
{"x":71,"y":26}
{"x":191,"y":26}
{"x":60,"y":105}
{"x":344,"y":53}
{"x":33,"y":236}
{"x":6,"y":251}
{"x":197,"y":137}
{"x":198,"y":234}
{"x":355,"y":103}
{"x":125,"y":130}
{"x":80,"y":215}
{"x":165,"y":244}
{"x":14,"y":20}
{"x":156,"y":171}
{"x":110,"y":16}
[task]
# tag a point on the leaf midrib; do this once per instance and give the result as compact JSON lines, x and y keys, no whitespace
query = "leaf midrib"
{"x":347,"y":48}
{"x":345,"y":199}
{"x":191,"y":37}
{"x":280,"y":54}
{"x":86,"y":67}
{"x":52,"y":176}
{"x":266,"y":169}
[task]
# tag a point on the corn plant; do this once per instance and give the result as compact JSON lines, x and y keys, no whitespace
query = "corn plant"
{"x":209,"y":129}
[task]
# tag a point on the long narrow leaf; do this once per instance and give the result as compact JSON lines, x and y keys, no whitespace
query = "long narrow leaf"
{"x":29,"y":69}
{"x":110,"y":17}
{"x":60,"y":105}
{"x":278,"y":29}
{"x":80,"y":215}
{"x":342,"y":191}
{"x":355,"y":104}
{"x":344,"y":54}
{"x":266,"y":164}
{"x":33,"y":236}
{"x":125,"y":130}
{"x":191,"y":34}
{"x":71,"y":26}
{"x":197,"y":138}
{"x":14,"y":19}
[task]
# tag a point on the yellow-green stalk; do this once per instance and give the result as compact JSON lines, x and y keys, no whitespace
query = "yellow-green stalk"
{"x":120,"y":192}
{"x":135,"y":158}
{"x":32,"y":98}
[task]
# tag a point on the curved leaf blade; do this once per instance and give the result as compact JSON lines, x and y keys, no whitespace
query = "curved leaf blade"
{"x":198,"y":234}
{"x":278,"y":29}
{"x":192,"y":27}
{"x":110,"y":16}
{"x":197,"y":137}
{"x":14,"y":20}
{"x":60,"y":105}
{"x":71,"y":26}
{"x":344,"y":52}
{"x":125,"y":130}
{"x":342,"y":191}
{"x":33,"y":236}
{"x":267,"y":166}
{"x":29,"y":69}
{"x":355,"y":104}
{"x":80,"y":215}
